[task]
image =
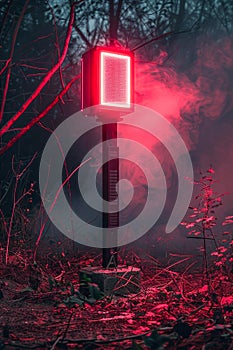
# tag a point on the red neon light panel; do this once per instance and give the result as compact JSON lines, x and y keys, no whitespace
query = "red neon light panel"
{"x":107,"y":78}
{"x":115,"y":80}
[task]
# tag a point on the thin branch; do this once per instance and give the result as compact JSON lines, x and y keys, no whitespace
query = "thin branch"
{"x":160,"y":37}
{"x":28,"y":165}
{"x":58,"y":340}
{"x":46,"y":79}
{"x":4,"y":220}
{"x":82,"y":36}
{"x":63,"y":156}
{"x":118,"y":12}
{"x":16,"y":201}
{"x":58,"y":47}
{"x":65,"y":181}
{"x":5,"y":16}
{"x":32,"y":67}
{"x":68,"y":325}
{"x":6,"y":191}
{"x":198,"y":237}
{"x":112,"y":32}
{"x":5,"y":90}
{"x":80,"y":341}
{"x":54,"y":202}
{"x":39,"y":117}
{"x":5,"y":66}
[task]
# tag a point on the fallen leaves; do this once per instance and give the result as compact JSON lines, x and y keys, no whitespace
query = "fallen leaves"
{"x":172,"y":311}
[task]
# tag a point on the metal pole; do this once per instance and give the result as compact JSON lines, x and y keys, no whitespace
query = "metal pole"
{"x":110,"y":180}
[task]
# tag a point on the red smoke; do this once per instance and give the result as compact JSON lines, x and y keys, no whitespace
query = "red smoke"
{"x":191,"y":94}
{"x":203,"y":89}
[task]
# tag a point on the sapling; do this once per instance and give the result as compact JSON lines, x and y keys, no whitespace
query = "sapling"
{"x":203,"y":218}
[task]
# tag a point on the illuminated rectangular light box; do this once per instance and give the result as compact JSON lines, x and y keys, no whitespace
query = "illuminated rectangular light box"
{"x":107,"y":78}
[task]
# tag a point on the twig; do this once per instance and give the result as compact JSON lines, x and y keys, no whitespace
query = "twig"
{"x":5,"y":66}
{"x":82,"y":36}
{"x":160,"y":37}
{"x":56,"y":342}
{"x":54,"y":202}
{"x":18,"y":176}
{"x":76,"y":341}
{"x":5,"y":16}
{"x":65,"y":181}
{"x":46,"y":79}
{"x":6,"y":191}
{"x":38,"y":117}
{"x":58,"y":48}
{"x":65,"y":162}
{"x":126,"y":280}
{"x":68,"y":325}
{"x":5,"y":90}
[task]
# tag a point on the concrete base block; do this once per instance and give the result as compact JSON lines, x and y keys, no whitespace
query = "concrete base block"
{"x":119,"y":281}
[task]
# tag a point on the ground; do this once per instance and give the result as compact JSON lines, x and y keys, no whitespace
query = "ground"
{"x":41,"y":308}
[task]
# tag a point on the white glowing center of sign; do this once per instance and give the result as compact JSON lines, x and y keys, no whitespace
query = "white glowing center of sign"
{"x":115,"y":89}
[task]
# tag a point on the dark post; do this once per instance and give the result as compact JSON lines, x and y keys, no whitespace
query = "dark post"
{"x":107,"y":85}
{"x":109,"y":185}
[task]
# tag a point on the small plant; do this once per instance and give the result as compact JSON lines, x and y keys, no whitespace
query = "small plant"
{"x":203,"y":219}
{"x":224,"y":252}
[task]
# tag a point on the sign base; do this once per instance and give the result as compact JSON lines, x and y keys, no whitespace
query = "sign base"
{"x":122,"y":280}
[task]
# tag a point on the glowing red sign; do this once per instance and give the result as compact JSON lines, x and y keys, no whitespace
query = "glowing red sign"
{"x":115,"y":80}
{"x":107,"y":78}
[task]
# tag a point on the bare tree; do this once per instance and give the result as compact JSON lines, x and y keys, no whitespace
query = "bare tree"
{"x":11,"y":122}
